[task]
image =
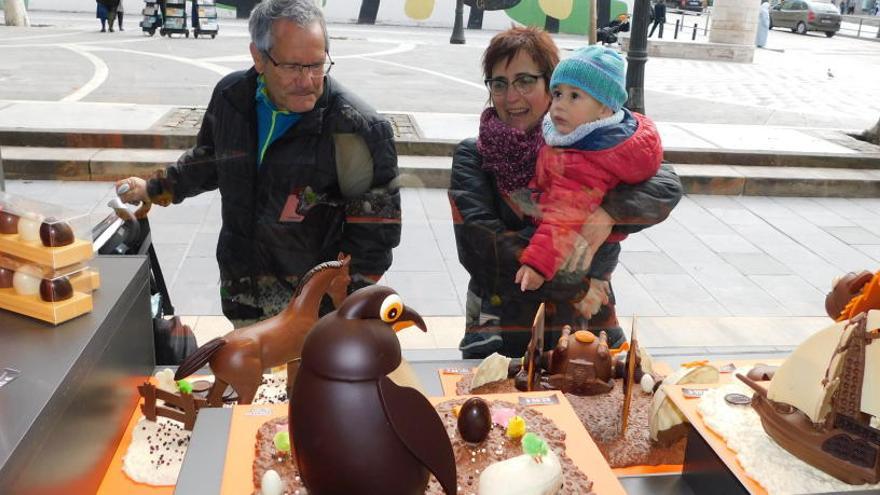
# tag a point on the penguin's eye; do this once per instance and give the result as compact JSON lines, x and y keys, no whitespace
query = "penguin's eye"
{"x":392,"y":307}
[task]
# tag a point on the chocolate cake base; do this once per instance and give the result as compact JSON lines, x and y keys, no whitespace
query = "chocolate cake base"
{"x":471,"y":460}
{"x":600,"y":415}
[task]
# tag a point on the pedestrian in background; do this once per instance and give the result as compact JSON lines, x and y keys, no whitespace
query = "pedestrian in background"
{"x":101,"y":15}
{"x":109,"y":12}
{"x":119,"y":13}
{"x":763,"y":25}
{"x":659,"y":15}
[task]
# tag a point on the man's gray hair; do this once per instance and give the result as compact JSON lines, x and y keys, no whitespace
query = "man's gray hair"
{"x":301,"y":12}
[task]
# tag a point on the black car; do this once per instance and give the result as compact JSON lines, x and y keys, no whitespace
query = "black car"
{"x":694,"y":5}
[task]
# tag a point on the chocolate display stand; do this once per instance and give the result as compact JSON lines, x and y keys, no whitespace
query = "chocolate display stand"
{"x":60,"y":415}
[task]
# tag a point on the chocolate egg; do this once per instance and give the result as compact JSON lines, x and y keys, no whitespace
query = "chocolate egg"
{"x":474,"y":420}
{"x":26,"y":281}
{"x":29,"y":228}
{"x":6,"y":276}
{"x":57,"y":289}
{"x":55,"y":234}
{"x":8,"y":223}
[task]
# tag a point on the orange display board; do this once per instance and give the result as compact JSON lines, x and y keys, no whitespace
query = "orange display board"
{"x":115,"y":481}
{"x":246,"y":420}
{"x":688,"y":407}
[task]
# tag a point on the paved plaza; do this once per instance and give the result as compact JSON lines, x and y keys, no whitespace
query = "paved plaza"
{"x":722,"y":271}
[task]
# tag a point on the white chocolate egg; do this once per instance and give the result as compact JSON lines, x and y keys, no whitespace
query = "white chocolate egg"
{"x":26,"y":281}
{"x":647,"y":383}
{"x":271,"y":483}
{"x":29,"y":228}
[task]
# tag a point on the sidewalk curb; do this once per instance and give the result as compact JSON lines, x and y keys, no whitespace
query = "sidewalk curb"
{"x":170,"y":140}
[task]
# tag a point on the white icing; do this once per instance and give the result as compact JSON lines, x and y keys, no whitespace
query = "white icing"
{"x":165,"y":381}
{"x":521,"y":475}
{"x":773,"y":467}
{"x":143,"y":466}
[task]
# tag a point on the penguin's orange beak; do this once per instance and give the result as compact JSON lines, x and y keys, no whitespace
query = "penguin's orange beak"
{"x":409,"y":318}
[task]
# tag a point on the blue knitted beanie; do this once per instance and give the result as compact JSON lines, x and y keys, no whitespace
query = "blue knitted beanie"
{"x":599,"y":71}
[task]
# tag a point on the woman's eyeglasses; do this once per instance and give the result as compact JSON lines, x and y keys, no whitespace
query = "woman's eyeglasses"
{"x":299,"y":70}
{"x":523,"y":84}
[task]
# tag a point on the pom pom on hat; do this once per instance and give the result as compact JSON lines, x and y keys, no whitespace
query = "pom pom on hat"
{"x":599,"y":71}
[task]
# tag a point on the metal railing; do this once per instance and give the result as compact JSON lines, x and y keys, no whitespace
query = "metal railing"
{"x":860,"y":26}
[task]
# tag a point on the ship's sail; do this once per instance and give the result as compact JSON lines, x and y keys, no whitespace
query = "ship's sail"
{"x":871,"y":383}
{"x":801,"y":380}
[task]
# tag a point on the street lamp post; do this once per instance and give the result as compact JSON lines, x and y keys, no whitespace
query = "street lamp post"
{"x":637,"y":56}
{"x":457,"y":37}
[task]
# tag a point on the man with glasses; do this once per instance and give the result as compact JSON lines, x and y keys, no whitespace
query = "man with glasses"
{"x":300,"y":162}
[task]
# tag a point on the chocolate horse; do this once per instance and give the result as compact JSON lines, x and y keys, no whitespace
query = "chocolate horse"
{"x":239,"y":357}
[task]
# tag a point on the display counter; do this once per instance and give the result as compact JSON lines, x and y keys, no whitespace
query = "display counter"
{"x":62,"y":417}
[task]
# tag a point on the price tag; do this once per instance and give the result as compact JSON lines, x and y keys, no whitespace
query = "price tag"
{"x":259,"y":411}
{"x":693,"y":393}
{"x":548,"y":400}
{"x":7,"y":375}
{"x":455,"y":371}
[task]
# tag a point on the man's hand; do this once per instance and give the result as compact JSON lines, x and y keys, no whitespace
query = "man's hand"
{"x":528,"y":278}
{"x":132,"y":190}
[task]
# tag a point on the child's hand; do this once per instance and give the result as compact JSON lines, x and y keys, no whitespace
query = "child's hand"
{"x":528,"y":278}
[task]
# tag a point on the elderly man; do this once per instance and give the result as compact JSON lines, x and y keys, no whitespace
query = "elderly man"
{"x":303,"y":165}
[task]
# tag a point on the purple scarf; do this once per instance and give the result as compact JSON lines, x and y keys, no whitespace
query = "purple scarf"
{"x":508,"y":153}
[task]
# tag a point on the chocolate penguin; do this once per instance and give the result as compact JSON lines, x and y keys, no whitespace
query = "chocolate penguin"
{"x":355,"y":431}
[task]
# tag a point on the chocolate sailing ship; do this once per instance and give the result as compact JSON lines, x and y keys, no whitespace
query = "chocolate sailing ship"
{"x":820,"y":403}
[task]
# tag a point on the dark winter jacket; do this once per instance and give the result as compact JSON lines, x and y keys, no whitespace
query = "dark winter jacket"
{"x":571,"y":182}
{"x":253,"y":241}
{"x":490,"y":235}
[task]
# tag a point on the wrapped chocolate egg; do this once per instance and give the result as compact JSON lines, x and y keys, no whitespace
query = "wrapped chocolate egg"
{"x":26,"y":281}
{"x":6,"y":276}
{"x":474,"y":420}
{"x":8,"y":222}
{"x":55,"y":234}
{"x":29,"y":228}
{"x":56,"y":289}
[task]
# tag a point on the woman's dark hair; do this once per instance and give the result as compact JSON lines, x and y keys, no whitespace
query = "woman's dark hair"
{"x":533,"y":41}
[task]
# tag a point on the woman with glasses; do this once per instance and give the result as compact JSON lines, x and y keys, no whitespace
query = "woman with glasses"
{"x":493,"y":212}
{"x":293,"y":153}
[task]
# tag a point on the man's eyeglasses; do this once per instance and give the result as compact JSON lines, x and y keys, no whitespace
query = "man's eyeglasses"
{"x":523,"y":84}
{"x":299,"y":70}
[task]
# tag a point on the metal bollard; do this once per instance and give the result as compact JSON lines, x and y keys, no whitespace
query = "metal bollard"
{"x":859,"y":32}
{"x":675,"y":35}
{"x":694,"y":34}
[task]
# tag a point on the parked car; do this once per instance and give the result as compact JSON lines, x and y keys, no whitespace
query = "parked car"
{"x":806,"y":15}
{"x":694,"y":5}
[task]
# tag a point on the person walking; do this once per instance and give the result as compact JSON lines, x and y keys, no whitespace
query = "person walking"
{"x":659,"y":15}
{"x":119,"y":13}
{"x":101,"y":15}
{"x":763,"y":25}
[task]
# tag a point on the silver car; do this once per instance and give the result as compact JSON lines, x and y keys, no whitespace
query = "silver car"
{"x":805,"y":15}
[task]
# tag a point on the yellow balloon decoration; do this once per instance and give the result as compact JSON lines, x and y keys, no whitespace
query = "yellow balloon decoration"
{"x":419,"y":10}
{"x":559,"y":9}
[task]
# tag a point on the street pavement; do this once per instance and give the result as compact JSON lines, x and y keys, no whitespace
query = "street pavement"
{"x":723,"y":271}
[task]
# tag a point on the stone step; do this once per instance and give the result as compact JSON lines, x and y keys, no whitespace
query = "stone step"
{"x":434,"y":171}
{"x":159,"y":139}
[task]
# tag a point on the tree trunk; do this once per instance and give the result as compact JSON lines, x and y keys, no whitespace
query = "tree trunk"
{"x":16,"y":14}
{"x":872,"y":135}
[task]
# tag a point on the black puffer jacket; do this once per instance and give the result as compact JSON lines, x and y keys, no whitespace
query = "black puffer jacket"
{"x":253,"y":242}
{"x":490,"y":236}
